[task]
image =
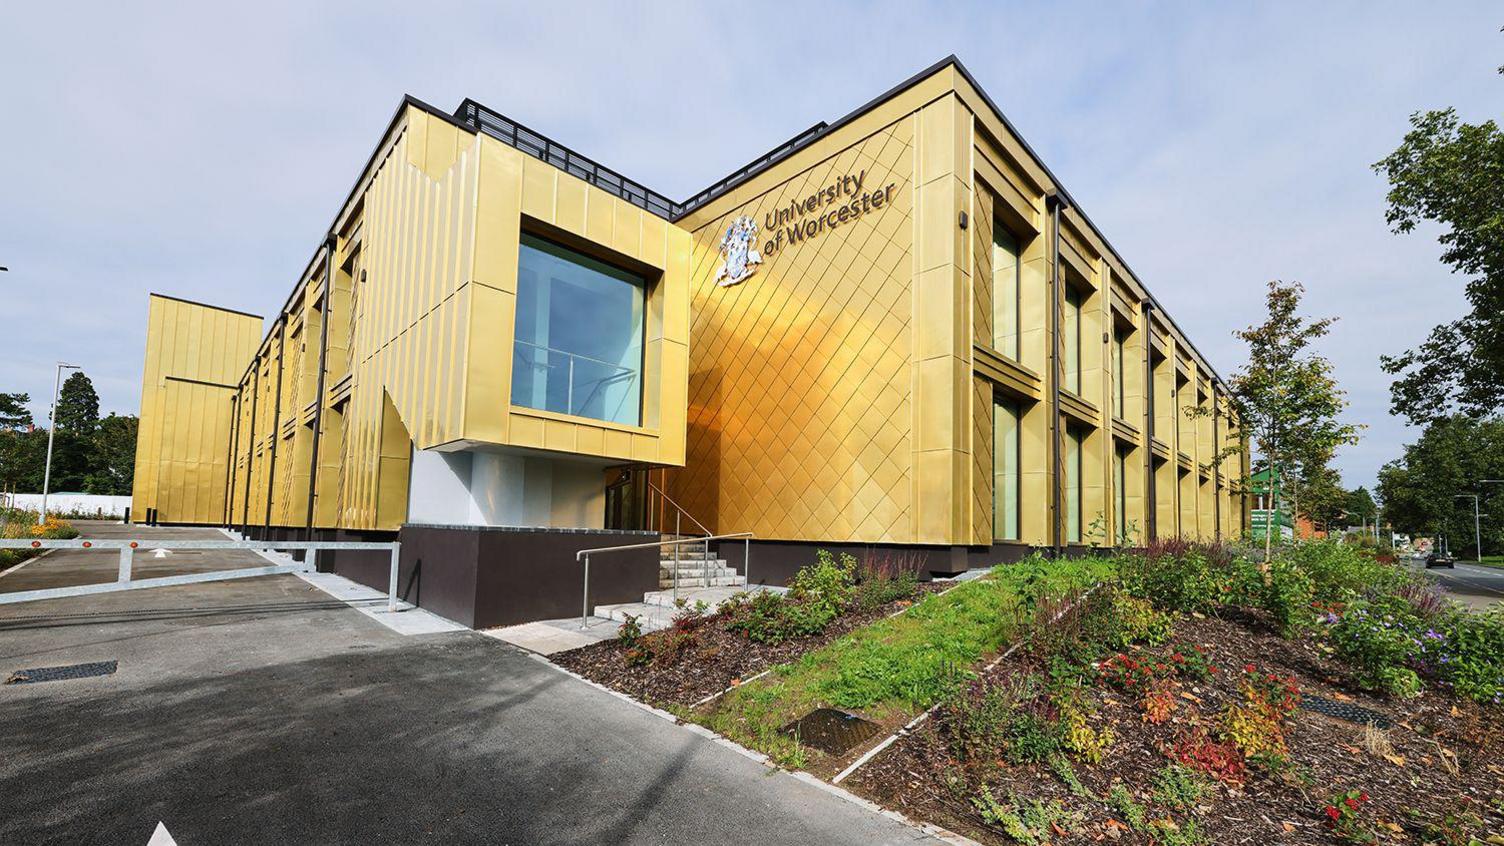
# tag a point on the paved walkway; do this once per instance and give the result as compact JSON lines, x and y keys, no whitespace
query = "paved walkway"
{"x":263,"y":711}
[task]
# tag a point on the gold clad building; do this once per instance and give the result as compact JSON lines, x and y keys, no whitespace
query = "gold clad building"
{"x":895,"y":330}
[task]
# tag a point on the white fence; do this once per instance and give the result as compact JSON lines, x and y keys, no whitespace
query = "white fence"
{"x":93,"y":505}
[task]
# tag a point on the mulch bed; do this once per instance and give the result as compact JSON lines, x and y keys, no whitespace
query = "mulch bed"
{"x":1447,"y":757}
{"x":717,"y":659}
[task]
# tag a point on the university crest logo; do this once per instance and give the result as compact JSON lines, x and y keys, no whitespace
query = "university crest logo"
{"x":739,"y":257}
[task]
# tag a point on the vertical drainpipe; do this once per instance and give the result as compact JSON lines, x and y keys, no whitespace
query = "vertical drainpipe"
{"x":1057,"y":491}
{"x":1216,"y":469}
{"x":229,"y":514}
{"x":318,"y":403}
{"x":1151,"y":504}
{"x":271,"y":470}
{"x":250,"y":447}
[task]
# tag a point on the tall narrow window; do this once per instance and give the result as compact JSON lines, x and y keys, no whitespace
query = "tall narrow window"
{"x":1072,"y":340}
{"x":1005,"y":478}
{"x":1120,"y":484}
{"x":578,"y":345}
{"x":1007,"y":267}
{"x":1073,"y":450}
{"x":1120,"y":373}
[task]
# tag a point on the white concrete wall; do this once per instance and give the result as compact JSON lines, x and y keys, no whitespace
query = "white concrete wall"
{"x":66,"y":503}
{"x":493,"y":488}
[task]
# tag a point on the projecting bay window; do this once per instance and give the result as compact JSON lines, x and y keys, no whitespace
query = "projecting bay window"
{"x":579,"y":336}
{"x":1007,"y":270}
{"x":1071,"y":340}
{"x":1005,"y":475}
{"x":1074,"y":447}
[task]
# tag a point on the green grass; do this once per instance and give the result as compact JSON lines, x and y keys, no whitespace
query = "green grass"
{"x":1493,"y":561}
{"x":896,"y":667}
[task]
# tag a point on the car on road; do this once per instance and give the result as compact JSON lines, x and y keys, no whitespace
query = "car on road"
{"x":1440,"y":559}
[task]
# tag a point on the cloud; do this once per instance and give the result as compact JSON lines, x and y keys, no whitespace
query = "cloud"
{"x":201,"y":150}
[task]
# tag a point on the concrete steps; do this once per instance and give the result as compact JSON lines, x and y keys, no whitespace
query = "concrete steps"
{"x":657,"y":609}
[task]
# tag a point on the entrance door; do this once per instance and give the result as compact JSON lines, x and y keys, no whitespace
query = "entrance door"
{"x":626,"y":500}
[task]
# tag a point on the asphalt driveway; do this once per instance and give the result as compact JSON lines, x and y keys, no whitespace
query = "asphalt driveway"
{"x":262,"y":711}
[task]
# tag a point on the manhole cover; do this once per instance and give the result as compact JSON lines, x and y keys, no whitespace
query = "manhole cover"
{"x":1343,"y":710}
{"x":831,"y":731}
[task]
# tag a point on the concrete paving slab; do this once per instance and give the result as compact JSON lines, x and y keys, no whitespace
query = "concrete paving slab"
{"x":546,"y":637}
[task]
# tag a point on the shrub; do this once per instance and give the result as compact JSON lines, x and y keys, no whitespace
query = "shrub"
{"x":1077,"y":735}
{"x":886,"y":577}
{"x":1029,"y":821}
{"x":1219,"y":759}
{"x":1340,"y":572}
{"x":1189,"y":662}
{"x":1179,"y":788}
{"x":825,"y":585}
{"x":1137,"y":621}
{"x":1133,"y":673}
{"x":1178,"y":575}
{"x":1344,"y":816}
{"x":1257,"y":726}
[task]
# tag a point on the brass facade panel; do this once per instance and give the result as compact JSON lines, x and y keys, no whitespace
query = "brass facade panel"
{"x":194,"y":357}
{"x":799,"y":382}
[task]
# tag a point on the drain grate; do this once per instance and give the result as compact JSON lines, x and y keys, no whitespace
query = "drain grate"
{"x":831,"y":731}
{"x":71,"y":671}
{"x":1343,"y":710}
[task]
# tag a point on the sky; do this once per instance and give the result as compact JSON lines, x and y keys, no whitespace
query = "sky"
{"x":201,"y":151}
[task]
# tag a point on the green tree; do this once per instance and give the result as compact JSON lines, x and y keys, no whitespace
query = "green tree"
{"x":1323,"y":499}
{"x":1287,"y":399}
{"x":113,"y":465}
{"x":1360,"y":505}
{"x":77,"y":405}
{"x":1451,"y":457}
{"x":1452,"y":173}
{"x":14,"y":415}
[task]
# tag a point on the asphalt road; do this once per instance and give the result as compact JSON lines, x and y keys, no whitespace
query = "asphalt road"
{"x":261,"y":711}
{"x":1473,"y":585}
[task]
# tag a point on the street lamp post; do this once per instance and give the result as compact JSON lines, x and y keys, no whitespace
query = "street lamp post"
{"x":57,"y":384}
{"x":1477,"y":531}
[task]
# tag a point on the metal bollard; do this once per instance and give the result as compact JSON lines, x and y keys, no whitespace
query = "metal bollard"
{"x":391,"y":588}
{"x":585,"y":603}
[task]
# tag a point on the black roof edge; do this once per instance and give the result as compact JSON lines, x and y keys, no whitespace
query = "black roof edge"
{"x":187,"y":301}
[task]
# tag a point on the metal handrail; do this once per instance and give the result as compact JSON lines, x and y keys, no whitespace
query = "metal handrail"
{"x":584,"y":555}
{"x":680,"y":508}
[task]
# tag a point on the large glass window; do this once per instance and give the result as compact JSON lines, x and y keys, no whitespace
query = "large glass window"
{"x":1120,"y":483}
{"x":578,"y":347}
{"x":1120,"y":373}
{"x":1005,"y":478}
{"x":1007,"y":268}
{"x":1073,"y":450}
{"x":1072,"y":340}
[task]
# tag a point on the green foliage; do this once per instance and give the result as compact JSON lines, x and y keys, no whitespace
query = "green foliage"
{"x":1137,"y":621}
{"x":1393,"y":647}
{"x":1285,"y":396}
{"x":14,"y":415}
{"x":1028,"y":821}
{"x":1177,"y":575}
{"x":77,"y":405}
{"x":885,"y":579}
{"x":1285,"y":592}
{"x":1061,"y":767}
{"x":1133,"y":813}
{"x":1452,"y":173}
{"x":900,"y":664}
{"x":1180,"y":788}
{"x":1450,"y":456}
{"x":819,"y":594}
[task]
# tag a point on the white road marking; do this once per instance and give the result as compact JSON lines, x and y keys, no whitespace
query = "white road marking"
{"x":160,"y":837}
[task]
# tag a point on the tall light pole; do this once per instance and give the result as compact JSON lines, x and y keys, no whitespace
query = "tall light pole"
{"x":1477,"y":532}
{"x":57,"y":384}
